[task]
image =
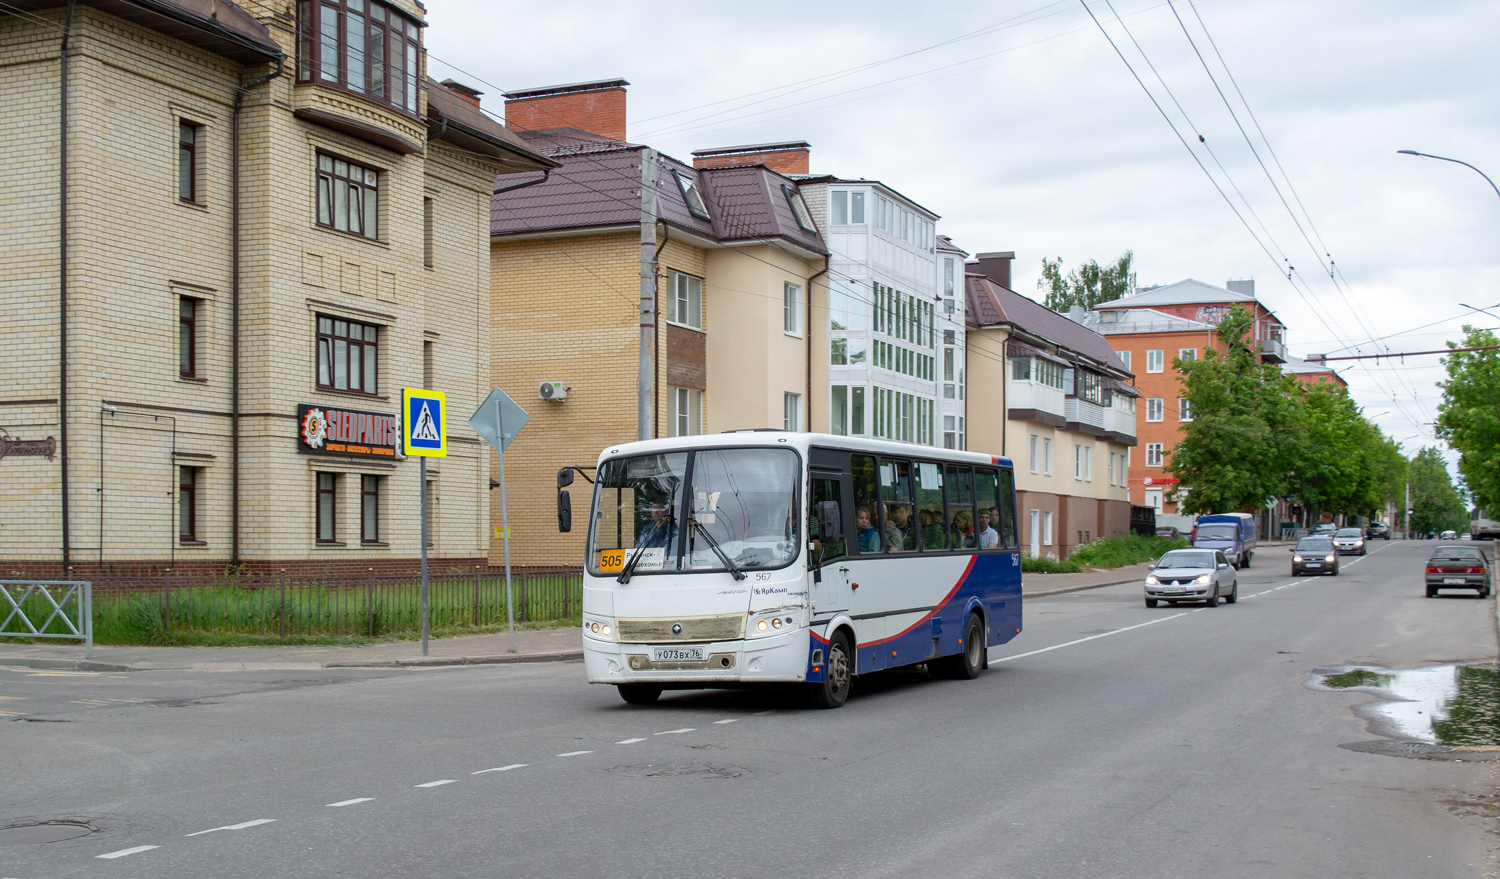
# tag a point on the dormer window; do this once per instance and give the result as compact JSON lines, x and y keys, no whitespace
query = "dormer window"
{"x":363,"y":46}
{"x":691,"y":196}
{"x":799,"y":209}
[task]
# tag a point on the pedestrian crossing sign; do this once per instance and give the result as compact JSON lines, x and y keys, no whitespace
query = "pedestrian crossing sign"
{"x":424,"y":432}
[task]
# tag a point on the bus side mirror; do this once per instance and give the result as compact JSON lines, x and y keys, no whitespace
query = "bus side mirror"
{"x":564,"y":477}
{"x":830,"y":522}
{"x":564,"y":512}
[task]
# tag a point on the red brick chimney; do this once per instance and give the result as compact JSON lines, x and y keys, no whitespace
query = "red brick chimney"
{"x":596,"y":107}
{"x":791,"y":157}
{"x":467,"y":93}
{"x":995,"y":266}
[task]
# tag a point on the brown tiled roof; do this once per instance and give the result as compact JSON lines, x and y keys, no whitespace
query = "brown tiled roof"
{"x":598,"y":185}
{"x":946,"y":245}
{"x":218,"y":26}
{"x":990,"y":304}
{"x":451,"y":118}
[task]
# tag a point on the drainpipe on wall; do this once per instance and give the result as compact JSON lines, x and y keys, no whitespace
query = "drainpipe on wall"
{"x":62,"y":285}
{"x":645,"y":407}
{"x":234,"y":296}
{"x":827,"y":261}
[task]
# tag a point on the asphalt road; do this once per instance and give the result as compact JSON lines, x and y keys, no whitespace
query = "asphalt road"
{"x":1107,"y":740}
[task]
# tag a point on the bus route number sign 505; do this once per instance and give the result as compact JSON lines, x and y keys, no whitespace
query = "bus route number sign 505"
{"x":611,"y":560}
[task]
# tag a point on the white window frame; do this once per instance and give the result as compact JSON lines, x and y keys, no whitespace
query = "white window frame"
{"x":1187,"y":353}
{"x":684,"y":411}
{"x":1124,"y":358}
{"x":1077,"y":462}
{"x":1047,"y":528}
{"x":1047,"y":456}
{"x":1034,"y":439}
{"x":1088,"y":463}
{"x":1184,"y":409}
{"x":791,"y":411}
{"x":1155,"y":408}
{"x":1154,"y":453}
{"x":1155,"y":359}
{"x":685,"y":288}
{"x":792,"y":309}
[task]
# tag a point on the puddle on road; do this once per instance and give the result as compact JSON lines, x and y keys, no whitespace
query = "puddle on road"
{"x":1453,"y":705}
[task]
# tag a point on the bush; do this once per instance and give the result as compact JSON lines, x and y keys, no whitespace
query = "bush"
{"x":1033,"y":564}
{"x":1123,"y":549}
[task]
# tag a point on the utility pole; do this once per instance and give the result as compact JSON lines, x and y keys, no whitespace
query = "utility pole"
{"x":645,"y":408}
{"x":1406,"y":519}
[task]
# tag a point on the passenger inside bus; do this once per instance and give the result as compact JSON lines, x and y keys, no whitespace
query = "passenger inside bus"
{"x":662,"y":531}
{"x":869,"y":538}
{"x":930,"y":523}
{"x":898,"y":532}
{"x":963,"y":529}
{"x":989,"y":538}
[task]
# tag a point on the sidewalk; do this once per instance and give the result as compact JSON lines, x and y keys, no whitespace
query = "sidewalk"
{"x":532,"y":645}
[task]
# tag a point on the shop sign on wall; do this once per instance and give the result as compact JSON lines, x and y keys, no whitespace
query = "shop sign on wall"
{"x":328,"y":431}
{"x":15,"y":447}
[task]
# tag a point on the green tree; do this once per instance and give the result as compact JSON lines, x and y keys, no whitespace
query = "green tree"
{"x":1088,"y":285}
{"x":1343,"y":462}
{"x":1469,"y":416}
{"x":1241,"y":446}
{"x":1436,"y":505}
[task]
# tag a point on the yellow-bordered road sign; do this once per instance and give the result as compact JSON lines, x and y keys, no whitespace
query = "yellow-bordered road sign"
{"x":424,"y":431}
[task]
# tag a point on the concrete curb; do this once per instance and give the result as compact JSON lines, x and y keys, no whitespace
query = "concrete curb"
{"x":1066,"y":589}
{"x":62,"y":664}
{"x":432,"y":661}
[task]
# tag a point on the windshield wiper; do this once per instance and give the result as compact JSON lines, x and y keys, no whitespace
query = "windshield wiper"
{"x":718,"y":551}
{"x":630,"y":565}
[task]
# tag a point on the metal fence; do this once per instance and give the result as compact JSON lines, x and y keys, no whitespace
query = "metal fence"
{"x":49,"y":609}
{"x":373,"y":605}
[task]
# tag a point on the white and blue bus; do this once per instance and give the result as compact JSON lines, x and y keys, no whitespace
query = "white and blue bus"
{"x":776,"y":557}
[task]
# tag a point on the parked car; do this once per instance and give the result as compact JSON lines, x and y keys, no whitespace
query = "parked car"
{"x":1192,"y":575}
{"x":1458,"y":567}
{"x":1232,"y":533}
{"x":1350,"y":540}
{"x":1448,"y":535}
{"x":1168,"y":532}
{"x":1380,"y":530}
{"x":1315,"y":554}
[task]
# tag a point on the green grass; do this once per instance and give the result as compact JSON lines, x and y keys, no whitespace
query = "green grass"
{"x":1122,"y":550}
{"x":1033,"y":564}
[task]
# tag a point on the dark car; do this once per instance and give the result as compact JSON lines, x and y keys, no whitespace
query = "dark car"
{"x":1458,"y":567}
{"x":1315,"y":555}
{"x":1168,"y":532}
{"x":1378,"y":531}
{"x":1325,"y":529}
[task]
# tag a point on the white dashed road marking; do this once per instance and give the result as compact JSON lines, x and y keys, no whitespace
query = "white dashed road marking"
{"x":129,"y":851}
{"x":575,"y":753}
{"x":674,"y":732}
{"x":241,"y":826}
{"x":350,"y":802}
{"x":730,"y":720}
{"x":629,"y":741}
{"x":439,"y":783}
{"x":1092,"y":637}
{"x":501,"y":768}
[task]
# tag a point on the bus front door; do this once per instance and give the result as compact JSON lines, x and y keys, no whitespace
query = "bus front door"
{"x":830,"y":578}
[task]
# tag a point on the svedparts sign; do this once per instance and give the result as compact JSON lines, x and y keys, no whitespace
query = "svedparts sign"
{"x":328,"y":431}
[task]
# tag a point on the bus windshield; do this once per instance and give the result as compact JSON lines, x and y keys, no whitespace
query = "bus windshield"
{"x":741,"y":505}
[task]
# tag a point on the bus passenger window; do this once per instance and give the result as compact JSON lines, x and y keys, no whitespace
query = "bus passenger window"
{"x":866,"y":504}
{"x":930,"y":507}
{"x":987,"y":525}
{"x":959,"y":494}
{"x":899,"y":534}
{"x":1010,"y":534}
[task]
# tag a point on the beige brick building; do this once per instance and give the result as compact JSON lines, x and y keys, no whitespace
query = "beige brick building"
{"x":214,"y":229}
{"x":734,"y":261}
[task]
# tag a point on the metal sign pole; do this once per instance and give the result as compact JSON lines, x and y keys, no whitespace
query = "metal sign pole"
{"x":510,"y":603}
{"x":423,"y":478}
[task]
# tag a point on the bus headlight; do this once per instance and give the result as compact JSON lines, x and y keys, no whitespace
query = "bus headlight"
{"x":603,"y":630}
{"x":760,"y":626}
{"x":771,"y":624}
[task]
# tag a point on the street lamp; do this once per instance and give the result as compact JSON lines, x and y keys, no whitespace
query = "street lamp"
{"x":1456,"y":162}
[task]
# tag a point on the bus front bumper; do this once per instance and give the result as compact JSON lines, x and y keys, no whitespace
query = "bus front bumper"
{"x":777,"y":658}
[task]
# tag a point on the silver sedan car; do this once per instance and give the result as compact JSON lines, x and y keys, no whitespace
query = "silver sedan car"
{"x":1192,"y":575}
{"x":1349,"y":540}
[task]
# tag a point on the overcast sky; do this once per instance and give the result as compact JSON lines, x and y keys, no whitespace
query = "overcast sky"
{"x":1027,"y":132}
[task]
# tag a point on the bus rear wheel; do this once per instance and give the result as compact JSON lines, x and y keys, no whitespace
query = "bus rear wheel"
{"x":639,"y":694}
{"x":838,"y":678}
{"x":966,"y":665}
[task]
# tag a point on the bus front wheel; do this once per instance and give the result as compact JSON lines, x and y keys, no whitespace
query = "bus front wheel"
{"x":639,"y":694}
{"x":833,"y":690}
